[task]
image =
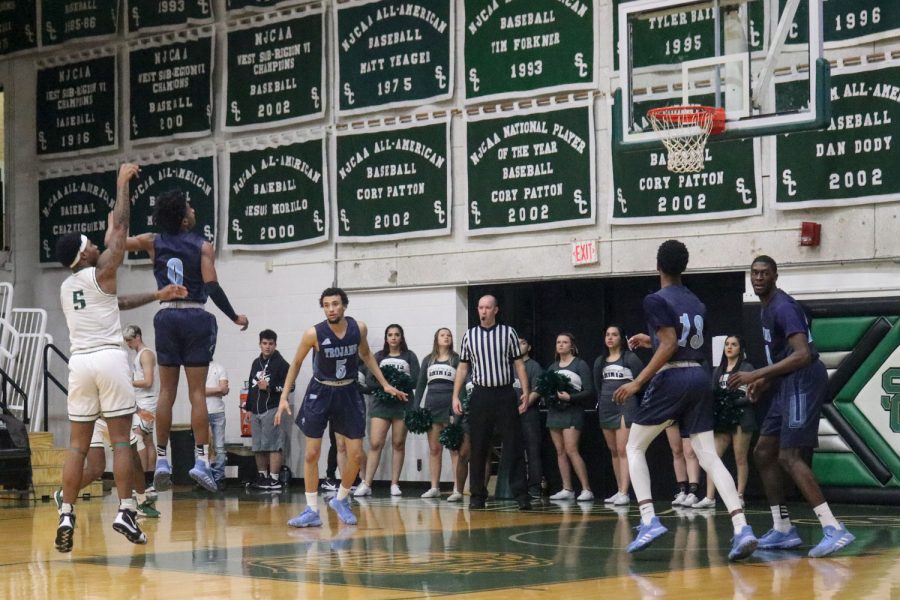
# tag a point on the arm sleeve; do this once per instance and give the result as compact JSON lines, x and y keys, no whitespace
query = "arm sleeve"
{"x":217,"y":295}
{"x":598,"y":375}
{"x":633,"y":363}
{"x":371,"y":383}
{"x":423,"y":380}
{"x":413,"y":367}
{"x":464,"y":349}
{"x":279,"y":375}
{"x":587,"y":390}
{"x":514,"y":350}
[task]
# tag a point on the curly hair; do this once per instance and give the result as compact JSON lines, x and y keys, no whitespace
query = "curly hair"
{"x":334,"y":291}
{"x":672,"y":257}
{"x":170,"y":210}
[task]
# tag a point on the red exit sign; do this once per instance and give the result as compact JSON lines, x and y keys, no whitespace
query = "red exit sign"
{"x":585,"y":253}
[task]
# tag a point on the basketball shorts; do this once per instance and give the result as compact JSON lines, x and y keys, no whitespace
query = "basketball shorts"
{"x":100,"y":385}
{"x":682,"y":395}
{"x":146,"y":412}
{"x":100,"y":439}
{"x":185,"y":337}
{"x":796,"y":407}
{"x":343,"y":406}
{"x":266,"y":436}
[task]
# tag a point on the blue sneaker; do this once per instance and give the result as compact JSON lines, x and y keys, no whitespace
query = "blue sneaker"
{"x":308,"y":518}
{"x":162,"y":476}
{"x":833,"y":540}
{"x":775,"y":540}
{"x":743,"y":544}
{"x":646,"y":534}
{"x":342,"y":508}
{"x":202,"y":474}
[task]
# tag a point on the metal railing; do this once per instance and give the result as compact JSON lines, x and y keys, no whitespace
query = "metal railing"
{"x":50,"y":377}
{"x":8,"y":382}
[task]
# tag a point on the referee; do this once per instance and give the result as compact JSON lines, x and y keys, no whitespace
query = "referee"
{"x":489,"y":348}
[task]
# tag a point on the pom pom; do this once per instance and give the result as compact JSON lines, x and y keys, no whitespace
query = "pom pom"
{"x":551,"y":383}
{"x":451,"y":437}
{"x":396,"y":378}
{"x":418,"y":420}
{"x":729,"y":408}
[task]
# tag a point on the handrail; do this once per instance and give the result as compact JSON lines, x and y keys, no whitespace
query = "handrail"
{"x":48,"y":376}
{"x":9,"y":380}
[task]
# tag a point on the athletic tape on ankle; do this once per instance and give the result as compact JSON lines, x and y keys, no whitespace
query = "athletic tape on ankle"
{"x":122,"y":445}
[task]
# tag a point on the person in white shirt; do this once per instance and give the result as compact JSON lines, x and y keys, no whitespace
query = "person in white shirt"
{"x":216,"y":390}
{"x":146,"y":392}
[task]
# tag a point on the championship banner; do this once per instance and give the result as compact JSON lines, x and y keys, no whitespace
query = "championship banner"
{"x":18,"y":26}
{"x":66,"y":20}
{"x":515,"y":49}
{"x":393,"y":182}
{"x":850,"y":22}
{"x":77,"y":107}
{"x":645,"y":191}
{"x":194,"y":175}
{"x":276,"y":70}
{"x":153,"y":16}
{"x":237,"y":6}
{"x":393,"y":53}
{"x":276,"y":195}
{"x":854,"y":160}
{"x":530,"y":169}
{"x":70,"y":203}
{"x":170,"y":87}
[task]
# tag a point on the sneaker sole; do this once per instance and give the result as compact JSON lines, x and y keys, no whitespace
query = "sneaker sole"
{"x":204,"y":481}
{"x":645,"y":545}
{"x":134,"y":538}
{"x":838,"y":545}
{"x":781,"y":546}
{"x":304,"y":525}
{"x":162,"y":481}
{"x":64,"y":539}
{"x":744,"y":550}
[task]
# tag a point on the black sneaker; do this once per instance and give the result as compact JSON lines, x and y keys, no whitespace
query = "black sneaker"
{"x":65,"y":532}
{"x":126,"y":524}
{"x":329,"y":485}
{"x":262,"y":482}
{"x":274,"y":484}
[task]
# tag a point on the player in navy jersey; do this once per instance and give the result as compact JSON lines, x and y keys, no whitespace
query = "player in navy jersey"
{"x":338,"y":344}
{"x":797,"y":381}
{"x":185,"y":331}
{"x":677,"y":392}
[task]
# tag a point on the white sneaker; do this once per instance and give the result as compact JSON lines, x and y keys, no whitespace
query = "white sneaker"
{"x":563,"y":494}
{"x":622,"y":500}
{"x":706,"y":503}
{"x":455,"y":497}
{"x":690,"y":500}
{"x":432,"y":493}
{"x":679,"y":499}
{"x":395,"y":490}
{"x":362,"y":490}
{"x":585,"y":496}
{"x":612,"y":499}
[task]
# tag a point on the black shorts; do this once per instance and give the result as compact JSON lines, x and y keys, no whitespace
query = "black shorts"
{"x":682,"y":395}
{"x":343,"y":406}
{"x":185,"y":337}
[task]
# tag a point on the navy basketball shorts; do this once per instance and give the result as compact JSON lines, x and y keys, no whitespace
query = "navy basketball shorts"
{"x":343,"y":406}
{"x":185,"y":337}
{"x":796,"y":407}
{"x":682,"y":395}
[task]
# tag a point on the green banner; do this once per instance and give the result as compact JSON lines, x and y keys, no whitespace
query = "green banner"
{"x":393,"y":183}
{"x":528,"y":47}
{"x":234,"y":6}
{"x":76,"y":107}
{"x":74,"y":203}
{"x":848,"y":22}
{"x":160,"y":15}
{"x":533,"y":170}
{"x":18,"y":26}
{"x":195,"y":177}
{"x":680,"y":34}
{"x":275,"y":73}
{"x":66,"y":20}
{"x":854,"y":160}
{"x":393,"y":53}
{"x":276,"y":197}
{"x":171,"y":90}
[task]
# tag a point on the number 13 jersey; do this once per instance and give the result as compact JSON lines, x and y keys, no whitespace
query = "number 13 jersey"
{"x":676,"y":306}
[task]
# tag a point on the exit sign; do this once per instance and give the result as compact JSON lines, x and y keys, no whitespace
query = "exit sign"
{"x":585,"y":253}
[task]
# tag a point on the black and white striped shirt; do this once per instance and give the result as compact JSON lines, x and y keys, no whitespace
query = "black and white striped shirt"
{"x":491,"y":353}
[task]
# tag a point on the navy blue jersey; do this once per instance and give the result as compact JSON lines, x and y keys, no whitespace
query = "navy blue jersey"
{"x":781,"y":318}
{"x":678,"y":307}
{"x":337,"y":358}
{"x":177,"y":260}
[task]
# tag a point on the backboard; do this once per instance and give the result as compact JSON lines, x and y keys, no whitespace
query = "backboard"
{"x":722,"y":53}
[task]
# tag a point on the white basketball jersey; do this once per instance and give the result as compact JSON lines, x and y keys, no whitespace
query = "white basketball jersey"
{"x":91,"y":314}
{"x":137,"y":372}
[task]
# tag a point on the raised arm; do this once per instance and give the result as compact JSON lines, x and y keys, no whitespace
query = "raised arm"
{"x":114,"y":253}
{"x":214,"y":290}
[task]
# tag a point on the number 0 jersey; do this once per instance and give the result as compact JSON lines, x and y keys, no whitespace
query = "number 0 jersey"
{"x":676,"y":306}
{"x":91,"y":314}
{"x":176,"y":259}
{"x":337,"y":358}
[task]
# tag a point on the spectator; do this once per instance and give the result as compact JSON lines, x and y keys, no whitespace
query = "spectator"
{"x":216,"y":390}
{"x":267,"y":375}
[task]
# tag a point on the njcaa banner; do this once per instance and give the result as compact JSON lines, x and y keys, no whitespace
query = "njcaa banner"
{"x":190,"y":170}
{"x":393,"y":53}
{"x":77,"y":201}
{"x":392,"y":182}
{"x":153,"y":16}
{"x":67,"y":20}
{"x":277,"y":195}
{"x":276,"y":70}
{"x":530,"y":169}
{"x":18,"y":26}
{"x":77,"y":107}
{"x":170,"y":86}
{"x":238,"y":6}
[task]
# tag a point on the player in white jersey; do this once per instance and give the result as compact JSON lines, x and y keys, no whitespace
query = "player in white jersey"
{"x":99,"y":375}
{"x":146,"y":392}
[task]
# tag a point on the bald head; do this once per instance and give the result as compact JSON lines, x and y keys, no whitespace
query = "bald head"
{"x":487,"y":310}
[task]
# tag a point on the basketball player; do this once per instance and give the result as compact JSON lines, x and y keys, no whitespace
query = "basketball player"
{"x":146,"y":390}
{"x":798,"y":381}
{"x":338,"y":343}
{"x":185,"y":331}
{"x":99,"y":375}
{"x":679,"y":392}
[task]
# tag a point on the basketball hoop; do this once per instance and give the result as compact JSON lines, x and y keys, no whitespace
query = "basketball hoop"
{"x":684,"y":131}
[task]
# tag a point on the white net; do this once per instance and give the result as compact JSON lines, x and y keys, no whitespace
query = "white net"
{"x":684,"y":131}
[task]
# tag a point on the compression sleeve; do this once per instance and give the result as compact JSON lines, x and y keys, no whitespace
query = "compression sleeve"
{"x":217,"y":294}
